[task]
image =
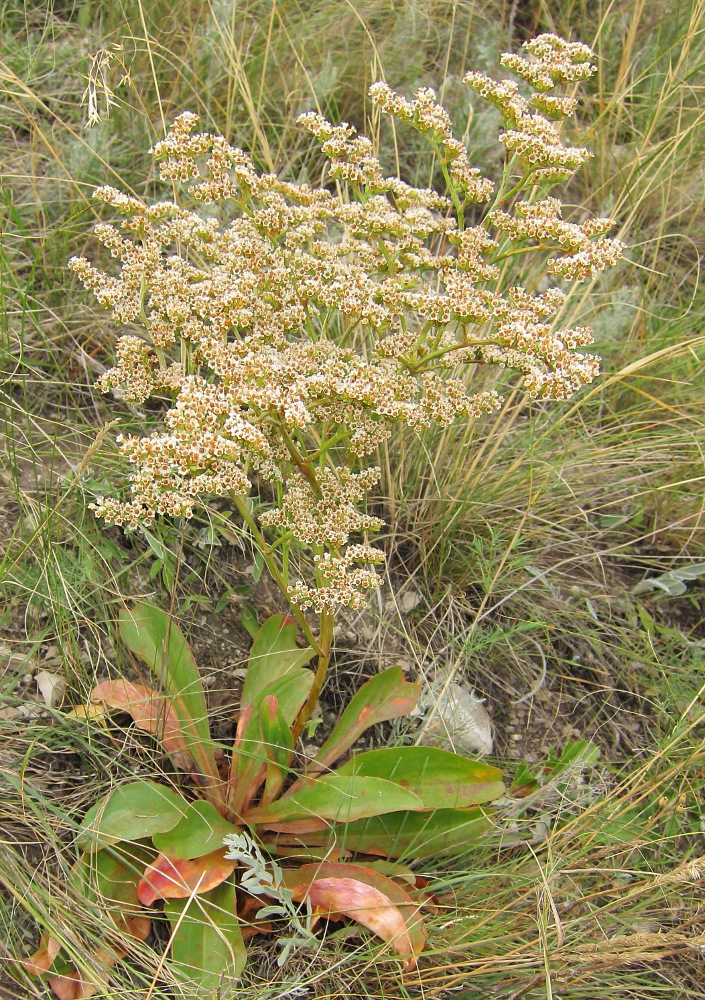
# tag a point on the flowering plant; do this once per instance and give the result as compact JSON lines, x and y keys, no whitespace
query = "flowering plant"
{"x":293,"y":326}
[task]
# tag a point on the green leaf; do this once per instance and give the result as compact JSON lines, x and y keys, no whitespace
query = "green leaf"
{"x":576,"y":754}
{"x":200,"y":831}
{"x":155,"y":569}
{"x":278,"y":742}
{"x":274,"y":653}
{"x":257,"y":566}
{"x":151,"y":634}
{"x":386,"y":696}
{"x":291,"y":691}
{"x":674,"y":582}
{"x":249,"y":619}
{"x":441,"y":779}
{"x":332,"y":798}
{"x":131,"y":812}
{"x":207,"y":947}
{"x":110,"y":877}
{"x":409,"y":835}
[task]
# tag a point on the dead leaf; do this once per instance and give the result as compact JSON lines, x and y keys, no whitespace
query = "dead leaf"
{"x":175,"y":878}
{"x":52,"y":688}
{"x":149,"y":710}
{"x":132,"y":927}
{"x":11,"y":713}
{"x":67,"y":987}
{"x":15,"y":662}
{"x":75,"y":987}
{"x":367,"y":906}
{"x":87,"y":712}
{"x":405,"y":602}
{"x":42,"y":959}
{"x":370,"y":899}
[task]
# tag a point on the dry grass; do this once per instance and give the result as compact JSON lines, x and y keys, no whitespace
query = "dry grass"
{"x":528,"y":529}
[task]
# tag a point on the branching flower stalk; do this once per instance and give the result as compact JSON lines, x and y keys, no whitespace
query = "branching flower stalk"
{"x":292,"y":327}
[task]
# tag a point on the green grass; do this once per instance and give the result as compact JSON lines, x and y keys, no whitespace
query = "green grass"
{"x":532,"y":527}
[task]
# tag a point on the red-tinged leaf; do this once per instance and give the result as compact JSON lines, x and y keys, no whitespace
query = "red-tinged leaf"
{"x":130,"y":927}
{"x":278,"y":742}
{"x":334,"y":798}
{"x":247,"y":911}
{"x":386,"y":696}
{"x":291,"y":691}
{"x":75,"y":986}
{"x":131,"y":812}
{"x":200,"y":831}
{"x":264,"y":758}
{"x":67,"y":987}
{"x":252,"y":749}
{"x":441,"y":779}
{"x":151,"y":634}
{"x":43,"y":958}
{"x":149,"y":710}
{"x":207,"y":947}
{"x":138,"y":927}
{"x":274,"y":653}
{"x":177,"y":878}
{"x":367,"y":897}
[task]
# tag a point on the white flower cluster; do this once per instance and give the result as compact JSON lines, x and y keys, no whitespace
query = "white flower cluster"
{"x":541,"y":222}
{"x":293,"y":337}
{"x":432,"y":120}
{"x":534,"y":138}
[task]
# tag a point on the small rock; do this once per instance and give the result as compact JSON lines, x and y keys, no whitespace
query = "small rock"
{"x":408,"y":601}
{"x":457,"y":717}
{"x":12,"y":661}
{"x":52,"y":688}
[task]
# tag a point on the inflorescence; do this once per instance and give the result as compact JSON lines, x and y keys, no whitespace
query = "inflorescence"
{"x":293,"y":337}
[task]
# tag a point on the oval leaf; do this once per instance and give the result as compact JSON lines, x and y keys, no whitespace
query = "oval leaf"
{"x":207,"y":948}
{"x":109,"y":877}
{"x":386,"y":696}
{"x":441,"y":779}
{"x":274,"y":653}
{"x":333,"y":798}
{"x":200,"y":831}
{"x":131,"y":812}
{"x":177,"y":878}
{"x":410,"y":835}
{"x":367,"y":897}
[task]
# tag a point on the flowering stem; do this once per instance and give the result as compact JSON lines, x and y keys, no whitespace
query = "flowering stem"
{"x":241,"y":504}
{"x":325,"y":640}
{"x":302,"y":464}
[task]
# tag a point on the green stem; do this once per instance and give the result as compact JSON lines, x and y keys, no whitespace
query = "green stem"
{"x":241,"y":504}
{"x":302,"y":464}
{"x":325,"y":640}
